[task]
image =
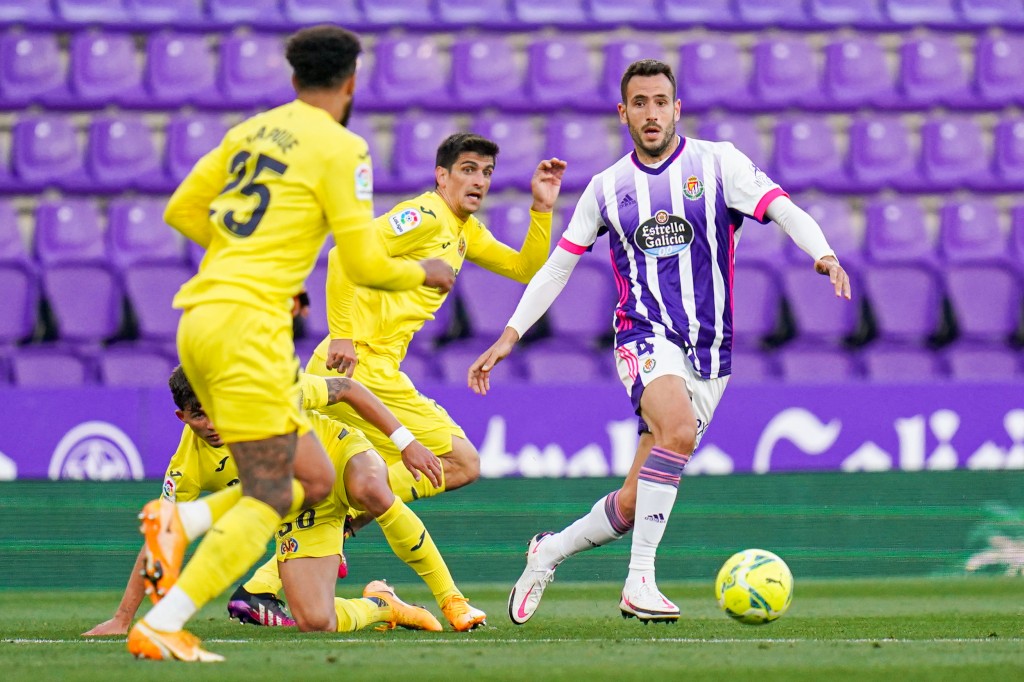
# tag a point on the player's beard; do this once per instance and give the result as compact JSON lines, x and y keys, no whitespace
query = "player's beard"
{"x":662,"y":146}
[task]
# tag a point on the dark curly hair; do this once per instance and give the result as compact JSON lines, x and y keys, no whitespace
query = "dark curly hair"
{"x":453,"y":145}
{"x":184,"y":397}
{"x":322,"y":57}
{"x":647,"y":67}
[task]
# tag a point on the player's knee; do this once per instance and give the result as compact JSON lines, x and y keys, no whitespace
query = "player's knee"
{"x":320,"y":621}
{"x":680,"y":437}
{"x":316,"y":489}
{"x":372,"y":494}
{"x":461,"y":465}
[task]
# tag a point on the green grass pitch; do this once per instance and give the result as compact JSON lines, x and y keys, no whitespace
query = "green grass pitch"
{"x":900,"y":629}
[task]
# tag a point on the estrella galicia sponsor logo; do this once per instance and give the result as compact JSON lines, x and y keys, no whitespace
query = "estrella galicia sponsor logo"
{"x":663,"y":234}
{"x":693,"y":188}
{"x":96,"y":451}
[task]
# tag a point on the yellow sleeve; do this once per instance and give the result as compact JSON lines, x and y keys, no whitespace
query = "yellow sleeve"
{"x":188,"y":209}
{"x":489,"y":253}
{"x":348,"y":207}
{"x":181,"y":482}
{"x":314,"y":391}
{"x":340,"y":295}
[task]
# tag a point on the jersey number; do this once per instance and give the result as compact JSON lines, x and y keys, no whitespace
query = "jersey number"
{"x":304,"y":520}
{"x":239,"y":169}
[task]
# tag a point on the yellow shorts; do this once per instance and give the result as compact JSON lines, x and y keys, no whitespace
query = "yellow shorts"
{"x":241,"y":363}
{"x":428,"y":421}
{"x":317,"y":532}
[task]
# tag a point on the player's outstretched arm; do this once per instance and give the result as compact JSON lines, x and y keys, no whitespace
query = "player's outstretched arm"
{"x":134,"y":592}
{"x":806,"y":233}
{"x":480,"y":371}
{"x":828,"y":265}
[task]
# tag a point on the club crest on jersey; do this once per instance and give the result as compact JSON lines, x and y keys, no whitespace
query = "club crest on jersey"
{"x":663,"y":234}
{"x":693,"y":189}
{"x":462,"y":246}
{"x":649,"y":364}
{"x":364,"y":182}
{"x":289,"y":546}
{"x":406,"y":221}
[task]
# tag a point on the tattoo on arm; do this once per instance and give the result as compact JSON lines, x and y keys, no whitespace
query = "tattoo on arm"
{"x":336,"y":386}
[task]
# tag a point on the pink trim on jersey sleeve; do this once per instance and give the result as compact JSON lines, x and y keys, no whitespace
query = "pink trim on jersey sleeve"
{"x":575,"y":249}
{"x":769,"y":196}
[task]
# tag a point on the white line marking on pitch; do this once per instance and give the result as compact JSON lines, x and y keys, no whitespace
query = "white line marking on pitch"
{"x":552,"y":640}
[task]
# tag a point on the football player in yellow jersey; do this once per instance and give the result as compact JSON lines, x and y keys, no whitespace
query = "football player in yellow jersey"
{"x":370,"y":330}
{"x":262,"y":203}
{"x":309,"y":543}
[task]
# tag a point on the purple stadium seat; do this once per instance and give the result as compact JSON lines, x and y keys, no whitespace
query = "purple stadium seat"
{"x":895,"y":363}
{"x":315,"y":324}
{"x":806,"y":155}
{"x":931,"y":73}
{"x":135,"y":366}
{"x":254,"y":72}
{"x":420,"y":368}
{"x":858,"y":13}
{"x":984,"y":13}
{"x":121,"y":155}
{"x":520,"y":150}
{"x":189,"y":137}
{"x":434,"y":331}
{"x":711,"y":13}
{"x":311,"y":12}
{"x":953,"y":154}
{"x":454,"y":359}
{"x":31,"y":69}
{"x":901,"y":282}
{"x":547,"y":364}
{"x":941,"y":13}
{"x":18,"y":280}
{"x":415,"y":150}
{"x":559,"y":74}
{"x":384,"y":14}
{"x":180,"y":70}
{"x":583,"y":142}
{"x":742,"y":132}
{"x":161,"y":13}
{"x":103,"y":70}
{"x":756,"y":304}
{"x":151,"y":288}
{"x":82,"y":289}
{"x":785,"y":73}
{"x":714,"y":75}
{"x":997,"y":61}
{"x":815,"y":365}
{"x":408,"y":69}
{"x":136,"y":233}
{"x":1008,"y":159}
{"x":784,"y":13}
{"x":619,"y":54}
{"x":983,"y":287}
{"x":760,"y":245}
{"x":101,"y":12}
{"x":880,"y":154}
{"x":567,"y":14}
{"x":817,"y":313}
{"x":489,"y":301}
{"x":485,"y":13}
{"x":262,"y":13}
{"x":857,"y":75}
{"x":1017,"y":235}
{"x":836,"y":219}
{"x":29,"y":13}
{"x":49,"y":366}
{"x":485,"y":73}
{"x":749,"y":367}
{"x":45,"y":152}
{"x":969,"y":362}
{"x":583,"y":312}
{"x":509,"y":220}
{"x":607,"y":14}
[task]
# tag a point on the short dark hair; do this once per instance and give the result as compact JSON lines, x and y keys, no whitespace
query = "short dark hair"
{"x":322,"y":57}
{"x":459,"y":143}
{"x":646,"y":67}
{"x":184,"y":397}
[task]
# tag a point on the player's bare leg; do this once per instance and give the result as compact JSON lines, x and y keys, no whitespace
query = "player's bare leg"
{"x":461,"y":464}
{"x":665,"y":406}
{"x":309,"y":585}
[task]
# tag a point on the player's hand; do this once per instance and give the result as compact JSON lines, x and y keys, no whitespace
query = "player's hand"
{"x":300,"y":305}
{"x":828,"y":265}
{"x":341,"y":355}
{"x":114,"y":626}
{"x":440,"y":275}
{"x":419,"y":459}
{"x":546,"y":183}
{"x":479,"y":378}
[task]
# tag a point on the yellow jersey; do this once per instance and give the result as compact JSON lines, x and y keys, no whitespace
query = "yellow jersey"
{"x":263,"y":201}
{"x":416,"y":229}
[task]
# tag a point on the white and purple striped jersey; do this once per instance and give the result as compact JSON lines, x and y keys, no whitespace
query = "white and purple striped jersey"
{"x":673,"y":230}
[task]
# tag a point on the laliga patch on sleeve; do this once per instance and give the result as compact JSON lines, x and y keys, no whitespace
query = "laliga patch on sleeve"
{"x":405,"y":221}
{"x":169,"y":492}
{"x":364,"y":182}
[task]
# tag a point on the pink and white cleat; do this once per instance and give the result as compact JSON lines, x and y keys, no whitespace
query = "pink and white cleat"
{"x":525,"y":596}
{"x":641,"y":599}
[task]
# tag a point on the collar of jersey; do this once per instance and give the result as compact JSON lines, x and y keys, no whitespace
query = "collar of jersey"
{"x":668,"y":162}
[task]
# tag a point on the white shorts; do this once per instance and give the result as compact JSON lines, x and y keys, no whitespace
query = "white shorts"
{"x":642,"y":361}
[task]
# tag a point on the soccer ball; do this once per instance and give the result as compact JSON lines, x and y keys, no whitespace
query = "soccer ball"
{"x":754,"y":586}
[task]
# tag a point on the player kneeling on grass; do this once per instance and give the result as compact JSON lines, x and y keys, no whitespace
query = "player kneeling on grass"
{"x":201,"y":465}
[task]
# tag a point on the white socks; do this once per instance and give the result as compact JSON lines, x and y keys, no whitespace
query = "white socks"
{"x":196,"y":518}
{"x":603,"y":524}
{"x":655,"y":496}
{"x":172,"y":612}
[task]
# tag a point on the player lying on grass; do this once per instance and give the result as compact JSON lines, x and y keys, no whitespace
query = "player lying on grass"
{"x":370,"y":330}
{"x":309,"y":544}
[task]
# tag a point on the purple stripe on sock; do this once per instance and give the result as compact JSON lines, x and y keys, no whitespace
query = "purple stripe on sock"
{"x":671,"y":456}
{"x":659,"y":477}
{"x":619,"y":522}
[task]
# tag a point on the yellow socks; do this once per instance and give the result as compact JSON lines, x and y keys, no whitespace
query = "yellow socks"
{"x":266,"y":579}
{"x":408,"y":488}
{"x":356,"y":614}
{"x":232,"y":545}
{"x":411,"y":543}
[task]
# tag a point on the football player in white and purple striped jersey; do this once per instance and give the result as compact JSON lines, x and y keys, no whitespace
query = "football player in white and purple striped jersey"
{"x":673,"y":209}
